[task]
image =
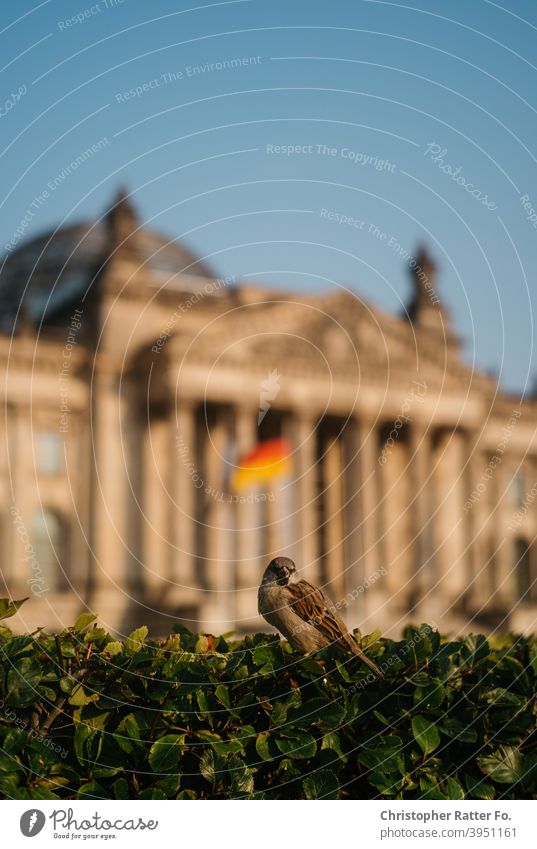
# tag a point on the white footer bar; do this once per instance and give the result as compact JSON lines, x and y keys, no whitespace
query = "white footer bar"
{"x":271,"y":825}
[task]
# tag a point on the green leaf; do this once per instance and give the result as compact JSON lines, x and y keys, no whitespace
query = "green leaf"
{"x":426,"y":734}
{"x":332,"y":740}
{"x":208,"y":766}
{"x":9,"y":763}
{"x":430,"y":789}
{"x":113,"y":648}
{"x":121,"y":789}
{"x":458,"y":730}
{"x":92,"y":790}
{"x":8,"y":607}
{"x":504,"y":765}
{"x":418,"y":646}
{"x":202,"y":645}
{"x":18,"y":645}
{"x":421,"y":679}
{"x":105,"y":771}
{"x":297,"y":744}
{"x":533,"y":658}
{"x":388,"y":783}
{"x":79,"y":697}
{"x":152,"y":793}
{"x":262,"y":746}
{"x":209,"y":736}
{"x":454,"y":788}
{"x":381,"y":718}
{"x":222,"y":695}
{"x":228,"y":747}
{"x":383,"y":754}
{"x":429,"y":696}
{"x":245,"y":733}
{"x":88,"y":743}
{"x":282,"y":707}
{"x":478,"y":788}
{"x":127,"y":734}
{"x":164,"y":754}
{"x":372,"y":639}
{"x":342,"y":669}
{"x":14,"y":741}
{"x":288,"y":770}
{"x":266,"y":656}
{"x":203,"y":703}
{"x":474,"y":650}
{"x":504,"y":698}
{"x":242,"y":778}
{"x":67,"y":684}
{"x":325,"y":712}
{"x":136,"y":639}
{"x":83,"y":621}
{"x":22,"y":681}
{"x":94,"y":717}
{"x":169,"y":785}
{"x":321,"y":784}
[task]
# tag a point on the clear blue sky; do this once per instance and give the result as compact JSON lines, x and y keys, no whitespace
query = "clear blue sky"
{"x":378,"y":80}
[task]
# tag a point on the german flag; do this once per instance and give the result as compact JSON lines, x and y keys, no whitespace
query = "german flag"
{"x":268,"y":460}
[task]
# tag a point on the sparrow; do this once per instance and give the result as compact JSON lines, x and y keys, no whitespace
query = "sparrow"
{"x":303,"y":613}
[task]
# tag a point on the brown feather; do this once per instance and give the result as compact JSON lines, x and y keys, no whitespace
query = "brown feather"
{"x":313,"y":607}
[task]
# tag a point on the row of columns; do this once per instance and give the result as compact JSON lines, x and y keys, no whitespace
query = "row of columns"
{"x":405,"y":516}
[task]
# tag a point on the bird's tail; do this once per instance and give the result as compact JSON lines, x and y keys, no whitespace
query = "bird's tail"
{"x":364,"y":658}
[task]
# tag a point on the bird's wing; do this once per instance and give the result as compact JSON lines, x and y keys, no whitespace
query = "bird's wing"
{"x":313,"y":607}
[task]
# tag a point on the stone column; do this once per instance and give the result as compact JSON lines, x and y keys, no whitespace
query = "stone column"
{"x":306,"y":483}
{"x":479,"y":490}
{"x":108,"y":537}
{"x":449,"y":524}
{"x":393,"y":470}
{"x":219,"y":611}
{"x":333,"y":516}
{"x":21,"y":497}
{"x":485,"y":571}
{"x":82,"y":452}
{"x":132,"y":432}
{"x":421,"y":508}
{"x":249,"y":567}
{"x":157,"y":456}
{"x":184,"y":481}
{"x":369,"y":521}
{"x":352,"y":524}
{"x":272,"y":519}
{"x":503,"y":531}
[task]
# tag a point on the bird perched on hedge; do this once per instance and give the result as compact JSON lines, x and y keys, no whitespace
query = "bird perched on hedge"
{"x":303,"y":613}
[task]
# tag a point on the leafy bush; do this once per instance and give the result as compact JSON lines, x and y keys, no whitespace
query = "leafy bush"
{"x":83,"y":715}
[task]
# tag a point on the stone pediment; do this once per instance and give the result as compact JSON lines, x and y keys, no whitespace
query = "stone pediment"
{"x":337,"y":337}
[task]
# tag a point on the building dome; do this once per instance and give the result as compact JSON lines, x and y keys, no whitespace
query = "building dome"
{"x":47,"y":276}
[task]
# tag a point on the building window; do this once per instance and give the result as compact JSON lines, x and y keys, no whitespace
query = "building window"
{"x":49,"y":452}
{"x":49,"y":544}
{"x":518,"y":489}
{"x":525,"y":588}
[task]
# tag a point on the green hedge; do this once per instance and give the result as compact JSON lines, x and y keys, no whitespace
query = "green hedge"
{"x":198,"y":717}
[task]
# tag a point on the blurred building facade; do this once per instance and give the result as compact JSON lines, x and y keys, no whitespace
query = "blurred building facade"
{"x":133,"y":383}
